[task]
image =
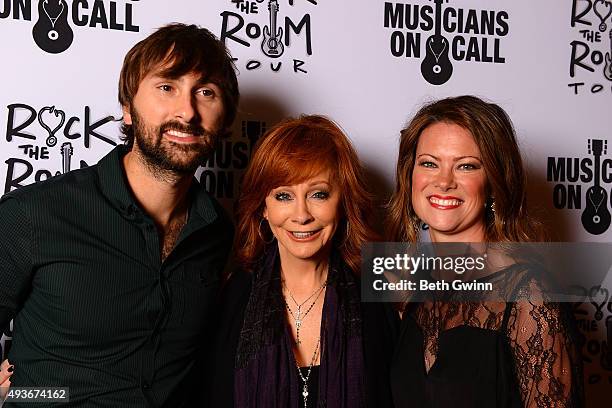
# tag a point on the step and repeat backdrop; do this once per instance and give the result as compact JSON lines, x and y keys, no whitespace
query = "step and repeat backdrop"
{"x":547,"y":63}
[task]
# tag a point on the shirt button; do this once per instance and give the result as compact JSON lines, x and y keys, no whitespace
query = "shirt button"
{"x":146,"y":386}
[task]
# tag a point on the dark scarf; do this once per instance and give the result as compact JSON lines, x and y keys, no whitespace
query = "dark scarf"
{"x":266,"y":375}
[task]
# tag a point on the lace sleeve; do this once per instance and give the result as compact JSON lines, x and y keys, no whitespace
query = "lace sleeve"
{"x":543,"y":343}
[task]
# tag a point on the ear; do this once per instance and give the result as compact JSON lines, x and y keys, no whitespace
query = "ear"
{"x":127,"y":116}
{"x":265,"y":212}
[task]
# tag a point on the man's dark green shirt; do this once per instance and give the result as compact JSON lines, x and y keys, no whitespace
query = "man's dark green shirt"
{"x":94,"y":307}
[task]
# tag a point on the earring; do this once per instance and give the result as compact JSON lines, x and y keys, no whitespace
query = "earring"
{"x":346,"y":234}
{"x":262,"y":235}
{"x":416,"y":224}
{"x":490,"y":206}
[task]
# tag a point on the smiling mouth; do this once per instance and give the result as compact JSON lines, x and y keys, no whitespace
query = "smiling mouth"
{"x":179,"y":137}
{"x":445,"y":203}
{"x":179,"y":134}
{"x":303,"y":236}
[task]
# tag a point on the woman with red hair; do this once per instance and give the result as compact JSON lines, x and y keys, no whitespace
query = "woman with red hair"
{"x":293,"y":330}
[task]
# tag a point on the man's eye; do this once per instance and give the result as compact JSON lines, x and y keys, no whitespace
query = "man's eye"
{"x":206,"y":92}
{"x":282,"y":196}
{"x":321,"y":195}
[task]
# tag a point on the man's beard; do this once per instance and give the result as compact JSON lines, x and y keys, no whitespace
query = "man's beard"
{"x":165,"y":157}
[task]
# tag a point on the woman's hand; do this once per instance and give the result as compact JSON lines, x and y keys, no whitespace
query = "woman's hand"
{"x":6,"y":370}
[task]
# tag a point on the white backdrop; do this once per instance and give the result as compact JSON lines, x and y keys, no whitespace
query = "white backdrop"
{"x":357,"y":61}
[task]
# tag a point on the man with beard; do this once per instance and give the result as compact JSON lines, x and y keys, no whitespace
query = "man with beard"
{"x":110,"y":272}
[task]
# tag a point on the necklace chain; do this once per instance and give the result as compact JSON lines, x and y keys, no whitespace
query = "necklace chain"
{"x":298,"y":317}
{"x":305,"y":379}
{"x":299,"y":305}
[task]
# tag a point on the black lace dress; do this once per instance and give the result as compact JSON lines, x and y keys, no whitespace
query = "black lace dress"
{"x":453,"y":353}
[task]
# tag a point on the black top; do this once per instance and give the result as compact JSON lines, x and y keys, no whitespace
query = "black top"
{"x":94,"y":307}
{"x":379,"y":330}
{"x":473,"y":369}
{"x":486,"y":354}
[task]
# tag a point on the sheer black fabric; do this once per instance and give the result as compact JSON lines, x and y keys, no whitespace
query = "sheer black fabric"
{"x":489,"y":354}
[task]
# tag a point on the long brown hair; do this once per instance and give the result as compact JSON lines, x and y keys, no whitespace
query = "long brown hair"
{"x":290,"y":153}
{"x":494,"y":135}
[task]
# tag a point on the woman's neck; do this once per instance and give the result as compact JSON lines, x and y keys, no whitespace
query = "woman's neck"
{"x":303,"y":276}
{"x":474,"y":234}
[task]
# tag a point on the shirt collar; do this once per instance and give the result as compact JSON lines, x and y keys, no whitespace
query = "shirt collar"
{"x":114,"y":186}
{"x":113,"y":181}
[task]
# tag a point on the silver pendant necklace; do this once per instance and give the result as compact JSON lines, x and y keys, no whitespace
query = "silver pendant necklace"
{"x":298,"y":317}
{"x":305,"y":379}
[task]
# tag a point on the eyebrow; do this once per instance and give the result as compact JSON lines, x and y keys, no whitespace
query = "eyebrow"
{"x":314,"y":183}
{"x":455,"y":159}
{"x":159,"y":76}
{"x":320,"y":184}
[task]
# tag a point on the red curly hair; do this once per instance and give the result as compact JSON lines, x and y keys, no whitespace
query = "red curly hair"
{"x":290,"y":153}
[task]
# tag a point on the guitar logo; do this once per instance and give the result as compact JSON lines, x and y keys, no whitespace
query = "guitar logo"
{"x":596,"y":217}
{"x":436,"y":67}
{"x":52,"y":33}
{"x":272,"y":45}
{"x":66,"y":154}
{"x":608,"y":67}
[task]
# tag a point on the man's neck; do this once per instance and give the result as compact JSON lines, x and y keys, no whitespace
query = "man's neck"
{"x":163,"y":198}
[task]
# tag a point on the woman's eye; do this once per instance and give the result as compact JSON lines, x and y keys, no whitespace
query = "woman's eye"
{"x":282,"y":196}
{"x":427,"y":164}
{"x":468,"y":166}
{"x":321,"y":195}
{"x":165,"y":88}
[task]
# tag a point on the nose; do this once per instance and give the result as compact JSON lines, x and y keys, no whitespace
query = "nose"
{"x":445,"y":179}
{"x":301,"y":214}
{"x":184,"y":107}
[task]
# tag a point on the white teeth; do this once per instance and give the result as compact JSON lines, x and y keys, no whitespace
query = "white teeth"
{"x":176,"y":133}
{"x":445,"y":203}
{"x":302,"y":235}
